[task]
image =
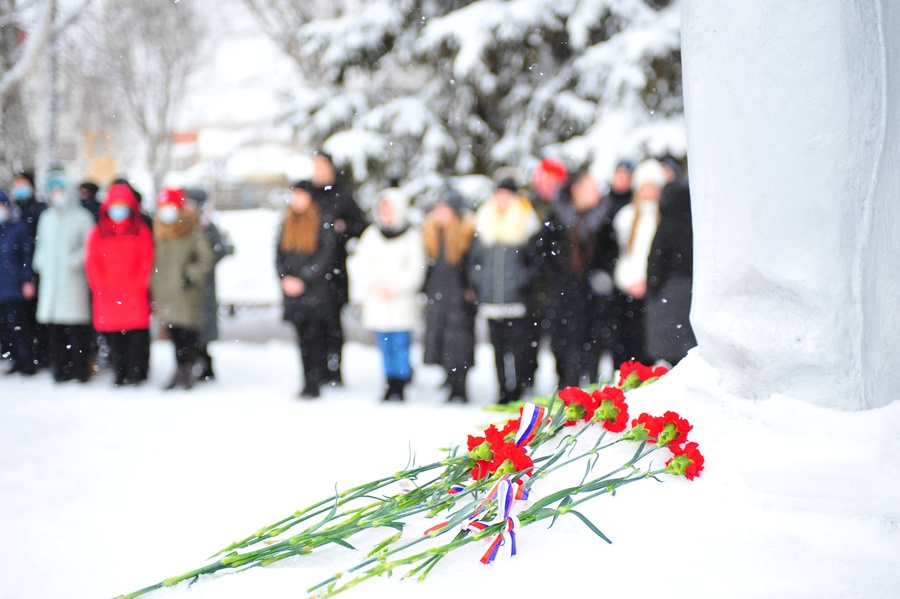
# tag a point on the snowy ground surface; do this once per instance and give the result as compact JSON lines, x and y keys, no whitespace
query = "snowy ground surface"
{"x":104,"y":491}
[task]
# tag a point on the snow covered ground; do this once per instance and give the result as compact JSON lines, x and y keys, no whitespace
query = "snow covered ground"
{"x":104,"y":491}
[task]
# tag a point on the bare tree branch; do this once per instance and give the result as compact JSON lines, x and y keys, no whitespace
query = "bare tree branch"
{"x":33,"y":45}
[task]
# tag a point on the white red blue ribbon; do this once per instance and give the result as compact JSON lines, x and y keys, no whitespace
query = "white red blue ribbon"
{"x":506,"y":492}
{"x":529,"y":423}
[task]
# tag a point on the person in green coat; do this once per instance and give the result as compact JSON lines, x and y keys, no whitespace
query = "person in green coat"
{"x":183,"y":260}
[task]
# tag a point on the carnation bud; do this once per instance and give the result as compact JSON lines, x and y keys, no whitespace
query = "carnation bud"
{"x":607,"y":411}
{"x":507,"y":467}
{"x":668,"y":434}
{"x":574,"y":411}
{"x":483,"y":452}
{"x":678,"y":465}
{"x":638,"y":433}
{"x":632,"y":382}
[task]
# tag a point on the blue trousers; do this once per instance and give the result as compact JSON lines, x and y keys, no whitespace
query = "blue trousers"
{"x":395,"y":351}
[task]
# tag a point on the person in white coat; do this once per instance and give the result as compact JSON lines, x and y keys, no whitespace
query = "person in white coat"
{"x":64,"y":299}
{"x":635,"y":227}
{"x":386,"y":272}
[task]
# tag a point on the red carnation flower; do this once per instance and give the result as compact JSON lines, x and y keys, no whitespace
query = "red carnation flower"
{"x":580,"y":405}
{"x":634,"y":374}
{"x":687,"y":461}
{"x":669,"y":429}
{"x":510,"y":458}
{"x":611,"y":409}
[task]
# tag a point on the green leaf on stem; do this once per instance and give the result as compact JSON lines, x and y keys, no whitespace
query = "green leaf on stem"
{"x":561,"y":509}
{"x":590,"y":525}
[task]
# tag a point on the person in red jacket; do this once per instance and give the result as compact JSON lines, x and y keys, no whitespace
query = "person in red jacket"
{"x":118,"y":263}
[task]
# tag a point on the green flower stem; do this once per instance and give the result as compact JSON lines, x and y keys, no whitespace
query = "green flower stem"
{"x":549,"y":467}
{"x":322,"y":506}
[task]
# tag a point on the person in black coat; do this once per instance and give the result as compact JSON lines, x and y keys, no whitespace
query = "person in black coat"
{"x":17,"y":286}
{"x":503,"y":273}
{"x":670,"y":277}
{"x":341,"y":214}
{"x":87,"y":193}
{"x":620,"y":192}
{"x":304,"y":257}
{"x":576,"y":254}
{"x":28,"y":211}
{"x":450,"y":313}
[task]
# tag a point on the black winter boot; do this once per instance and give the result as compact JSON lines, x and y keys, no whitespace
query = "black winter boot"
{"x":183,"y":378}
{"x":394,"y":390}
{"x":456,"y":380}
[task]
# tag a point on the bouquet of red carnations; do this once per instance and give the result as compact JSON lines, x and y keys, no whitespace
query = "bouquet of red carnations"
{"x":482,"y":493}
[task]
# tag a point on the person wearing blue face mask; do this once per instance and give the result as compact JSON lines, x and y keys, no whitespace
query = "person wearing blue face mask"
{"x":118,"y":263}
{"x":29,"y":211}
{"x":64,"y":305}
{"x":16,"y":286}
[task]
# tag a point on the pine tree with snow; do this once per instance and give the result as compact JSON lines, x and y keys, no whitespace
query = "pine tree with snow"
{"x":418,"y":89}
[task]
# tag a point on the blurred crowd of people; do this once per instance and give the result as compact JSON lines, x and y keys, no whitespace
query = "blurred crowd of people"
{"x":592,"y":269}
{"x":79,"y":279}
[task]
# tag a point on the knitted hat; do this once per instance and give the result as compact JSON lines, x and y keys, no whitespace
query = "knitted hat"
{"x":56,"y":180}
{"x":649,"y":171}
{"x":453,"y":199}
{"x":168,"y":195}
{"x":306,"y":186}
{"x":508,"y":183}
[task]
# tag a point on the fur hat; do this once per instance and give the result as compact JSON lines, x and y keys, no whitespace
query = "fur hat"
{"x":649,"y":171}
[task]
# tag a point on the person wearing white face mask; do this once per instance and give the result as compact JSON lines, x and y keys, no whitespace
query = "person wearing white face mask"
{"x":64,"y":297}
{"x":183,"y":260}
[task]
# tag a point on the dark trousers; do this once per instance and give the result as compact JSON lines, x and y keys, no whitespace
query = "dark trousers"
{"x":17,"y":335}
{"x":335,"y":347}
{"x":70,"y":351}
{"x":39,"y":334}
{"x":129,"y":355}
{"x":577,"y":356}
{"x":511,"y":339}
{"x":186,"y":345}
{"x":631,"y":343}
{"x":312,"y":336}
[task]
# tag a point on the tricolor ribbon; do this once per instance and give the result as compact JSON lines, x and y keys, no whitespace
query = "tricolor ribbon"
{"x":506,"y":492}
{"x":529,"y":423}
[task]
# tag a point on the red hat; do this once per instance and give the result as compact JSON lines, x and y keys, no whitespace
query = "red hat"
{"x":550,"y":168}
{"x":548,"y":176}
{"x":170,"y":196}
